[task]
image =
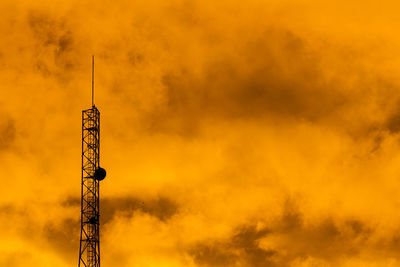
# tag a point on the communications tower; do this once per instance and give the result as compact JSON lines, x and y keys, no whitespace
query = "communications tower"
{"x":92,"y":174}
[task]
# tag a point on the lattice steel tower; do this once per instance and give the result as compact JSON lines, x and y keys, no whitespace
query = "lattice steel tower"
{"x":92,"y":174}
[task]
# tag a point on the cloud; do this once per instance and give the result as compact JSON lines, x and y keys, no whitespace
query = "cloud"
{"x":274,"y":74}
{"x":288,"y":241}
{"x":162,"y":208}
{"x":233,"y":135}
{"x":7,"y":133}
{"x":242,"y":250}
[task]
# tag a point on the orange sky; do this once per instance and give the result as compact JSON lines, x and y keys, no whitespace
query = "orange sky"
{"x":234,"y":133}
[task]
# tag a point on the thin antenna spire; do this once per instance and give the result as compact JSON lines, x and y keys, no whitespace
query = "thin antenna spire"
{"x":92,"y":80}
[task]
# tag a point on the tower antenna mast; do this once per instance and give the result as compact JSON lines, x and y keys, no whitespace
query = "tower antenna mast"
{"x":92,"y":80}
{"x":92,"y":174}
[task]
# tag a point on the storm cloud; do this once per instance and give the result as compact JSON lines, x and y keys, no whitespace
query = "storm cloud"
{"x":233,"y":134}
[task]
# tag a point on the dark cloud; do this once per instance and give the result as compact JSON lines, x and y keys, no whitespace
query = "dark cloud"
{"x":44,"y":28}
{"x":241,"y":250}
{"x":162,"y":208}
{"x":277,"y":75}
{"x":71,"y":201}
{"x":392,"y":123}
{"x":54,"y":42}
{"x":63,"y":237}
{"x":8,"y":209}
{"x":213,"y":254}
{"x":60,"y":236}
{"x":327,"y":240}
{"x":7,"y":133}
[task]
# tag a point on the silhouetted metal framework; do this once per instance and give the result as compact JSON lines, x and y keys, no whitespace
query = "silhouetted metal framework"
{"x":89,"y":251}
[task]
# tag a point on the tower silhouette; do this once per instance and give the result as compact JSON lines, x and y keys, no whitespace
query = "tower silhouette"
{"x":92,"y":174}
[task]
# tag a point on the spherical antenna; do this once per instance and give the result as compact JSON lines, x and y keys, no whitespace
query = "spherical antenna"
{"x":100,"y":174}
